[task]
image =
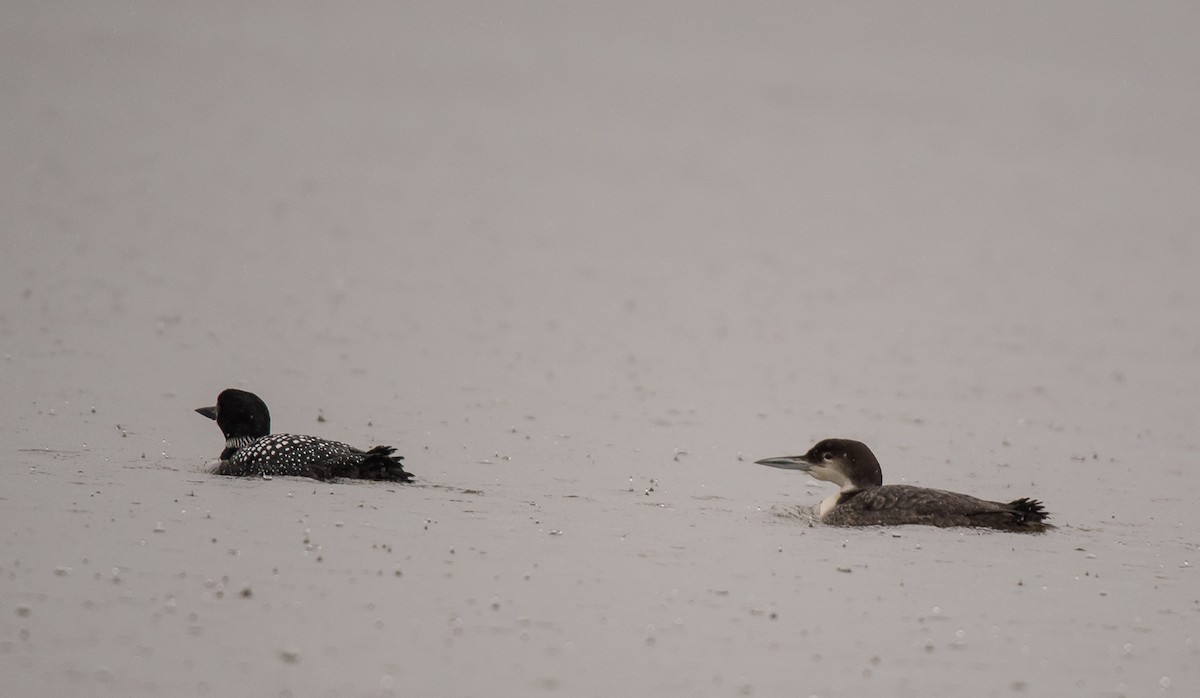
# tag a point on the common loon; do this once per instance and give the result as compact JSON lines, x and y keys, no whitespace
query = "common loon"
{"x":865,"y":501}
{"x":252,"y":450}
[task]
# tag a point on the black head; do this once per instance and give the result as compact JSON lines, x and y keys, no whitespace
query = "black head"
{"x":849,"y":464}
{"x":239,"y":413}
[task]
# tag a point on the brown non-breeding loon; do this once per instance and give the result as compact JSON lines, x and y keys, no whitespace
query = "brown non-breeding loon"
{"x":252,"y":450}
{"x":865,"y":501}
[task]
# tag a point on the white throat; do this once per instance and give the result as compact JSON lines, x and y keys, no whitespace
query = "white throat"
{"x":834,"y":475}
{"x":837,"y":477}
{"x":828,"y":504}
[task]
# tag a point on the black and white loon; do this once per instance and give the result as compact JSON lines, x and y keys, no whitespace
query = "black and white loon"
{"x":865,"y":501}
{"x":252,"y":450}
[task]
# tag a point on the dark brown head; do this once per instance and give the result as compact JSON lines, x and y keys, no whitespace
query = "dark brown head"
{"x":846,"y":463}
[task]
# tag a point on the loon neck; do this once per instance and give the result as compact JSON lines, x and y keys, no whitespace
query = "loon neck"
{"x":828,"y":504}
{"x":236,"y":442}
{"x":849,"y":489}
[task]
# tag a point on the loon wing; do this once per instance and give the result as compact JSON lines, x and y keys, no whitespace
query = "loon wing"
{"x":292,"y":455}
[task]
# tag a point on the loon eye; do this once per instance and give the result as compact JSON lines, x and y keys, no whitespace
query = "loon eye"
{"x":827,"y":456}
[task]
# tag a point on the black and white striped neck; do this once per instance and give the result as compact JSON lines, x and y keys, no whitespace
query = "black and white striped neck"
{"x":234,"y":443}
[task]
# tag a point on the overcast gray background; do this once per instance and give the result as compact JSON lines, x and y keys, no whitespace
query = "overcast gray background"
{"x":582,"y":265}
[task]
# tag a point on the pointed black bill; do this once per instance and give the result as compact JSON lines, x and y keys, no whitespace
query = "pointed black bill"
{"x":786,"y":462}
{"x":210,"y":412}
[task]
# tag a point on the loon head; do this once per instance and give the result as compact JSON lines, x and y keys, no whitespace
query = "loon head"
{"x":239,"y":414}
{"x":847,"y":464}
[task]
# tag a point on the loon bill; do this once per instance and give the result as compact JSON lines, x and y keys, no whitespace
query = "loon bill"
{"x":252,"y":450}
{"x":863,"y":499}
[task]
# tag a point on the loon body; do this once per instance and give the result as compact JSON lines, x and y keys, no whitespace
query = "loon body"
{"x":865,"y":501}
{"x":252,"y":450}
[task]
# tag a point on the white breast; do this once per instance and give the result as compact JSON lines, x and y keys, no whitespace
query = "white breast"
{"x":827,"y":504}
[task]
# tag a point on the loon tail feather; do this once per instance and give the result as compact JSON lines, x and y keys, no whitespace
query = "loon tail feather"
{"x":1028,"y":511}
{"x":375,"y":464}
{"x":379,"y":463}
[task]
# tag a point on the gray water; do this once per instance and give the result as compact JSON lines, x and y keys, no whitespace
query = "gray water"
{"x":583,"y":266}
